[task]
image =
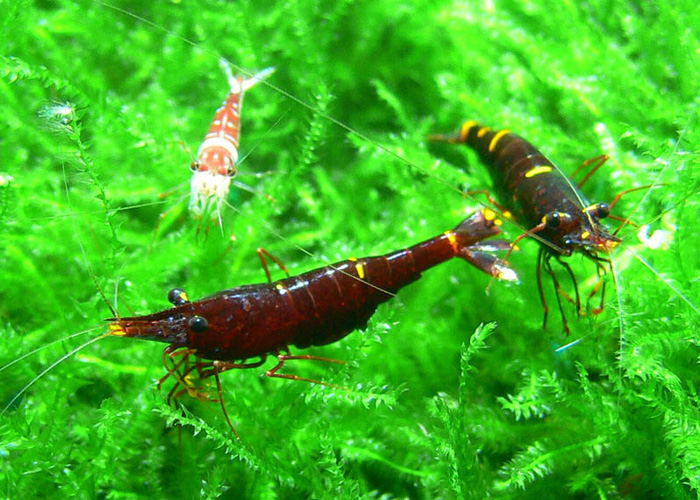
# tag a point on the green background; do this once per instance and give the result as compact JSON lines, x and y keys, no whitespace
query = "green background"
{"x":100,"y":107}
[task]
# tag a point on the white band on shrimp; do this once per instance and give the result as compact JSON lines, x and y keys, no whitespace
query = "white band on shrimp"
{"x":208,"y":192}
{"x":221,"y":142}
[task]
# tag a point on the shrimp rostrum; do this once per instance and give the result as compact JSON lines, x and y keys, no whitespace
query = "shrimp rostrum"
{"x":225,"y":330}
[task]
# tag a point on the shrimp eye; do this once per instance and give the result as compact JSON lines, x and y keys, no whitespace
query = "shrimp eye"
{"x":177,"y":297}
{"x":231,"y":170}
{"x":553,"y":220}
{"x":194,"y":166}
{"x":198,"y":324}
{"x":603,"y":210}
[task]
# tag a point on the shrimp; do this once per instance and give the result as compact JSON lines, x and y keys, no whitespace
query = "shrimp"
{"x":549,"y":203}
{"x":217,"y":157}
{"x":313,"y":309}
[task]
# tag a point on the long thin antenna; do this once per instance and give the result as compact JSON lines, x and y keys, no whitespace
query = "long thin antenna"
{"x":49,"y":368}
{"x":45,"y":346}
{"x":115,"y":314}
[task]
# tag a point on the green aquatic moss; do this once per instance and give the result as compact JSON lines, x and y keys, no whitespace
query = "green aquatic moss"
{"x":454,"y":393}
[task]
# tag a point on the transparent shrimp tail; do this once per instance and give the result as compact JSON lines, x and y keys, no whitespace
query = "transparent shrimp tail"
{"x":240,"y":84}
{"x":257,"y":78}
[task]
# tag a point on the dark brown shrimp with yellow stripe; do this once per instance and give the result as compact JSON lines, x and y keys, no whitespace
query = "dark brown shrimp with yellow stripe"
{"x":240,"y":327}
{"x":548,"y":203}
{"x":221,"y":332}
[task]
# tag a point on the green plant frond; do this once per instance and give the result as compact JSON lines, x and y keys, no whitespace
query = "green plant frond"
{"x":14,"y":69}
{"x":527,"y":466}
{"x":368,"y":396}
{"x":537,"y":398}
{"x":681,"y":432}
{"x":224,"y":440}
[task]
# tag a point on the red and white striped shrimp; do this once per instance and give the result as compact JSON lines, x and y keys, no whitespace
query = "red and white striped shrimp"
{"x":217,"y":157}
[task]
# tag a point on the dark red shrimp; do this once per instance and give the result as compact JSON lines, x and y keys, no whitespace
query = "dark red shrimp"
{"x":548,"y":203}
{"x":318,"y":307}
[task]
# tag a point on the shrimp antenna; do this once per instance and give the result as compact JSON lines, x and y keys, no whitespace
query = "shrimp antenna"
{"x":45,"y":346}
{"x":49,"y":368}
{"x":115,"y":314}
{"x":265,"y":135}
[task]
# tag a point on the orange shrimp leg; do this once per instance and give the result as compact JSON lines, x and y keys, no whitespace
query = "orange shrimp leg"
{"x":219,"y":367}
{"x":493,"y":201}
{"x":205,"y":369}
{"x":262,"y":253}
{"x":282,"y":358}
{"x":598,"y":162}
{"x":544,"y":262}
